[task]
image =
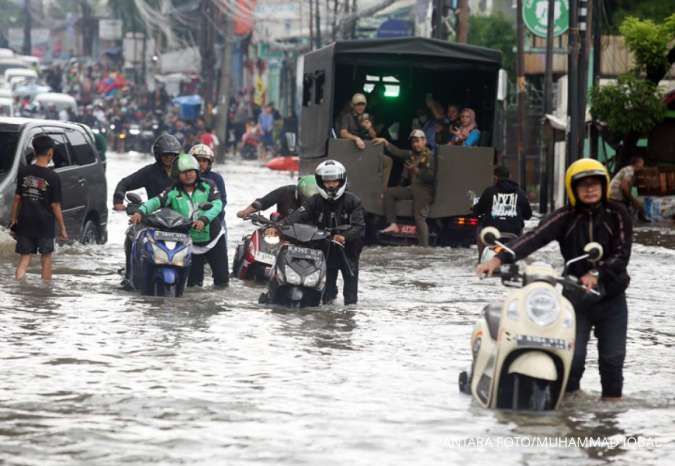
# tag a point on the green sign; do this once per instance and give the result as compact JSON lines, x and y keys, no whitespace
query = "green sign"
{"x":535,"y":16}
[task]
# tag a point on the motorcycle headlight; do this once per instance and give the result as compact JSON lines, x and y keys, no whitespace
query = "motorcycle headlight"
{"x":160,"y":256}
{"x":542,"y":306}
{"x":313,"y":278}
{"x":270,"y":236}
{"x":292,"y":277}
{"x":180,"y":256}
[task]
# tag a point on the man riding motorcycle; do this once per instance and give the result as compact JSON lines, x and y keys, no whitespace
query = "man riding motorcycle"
{"x":333,"y":207}
{"x":208,"y":238}
{"x":287,"y":198}
{"x":155,"y":178}
{"x":590,"y":216}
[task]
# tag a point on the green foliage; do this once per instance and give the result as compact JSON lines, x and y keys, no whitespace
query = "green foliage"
{"x":649,"y":43}
{"x":495,"y":32}
{"x":619,"y":10}
{"x":633,"y":105}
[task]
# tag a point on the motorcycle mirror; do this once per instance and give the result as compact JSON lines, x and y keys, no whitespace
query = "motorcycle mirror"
{"x":489,"y":235}
{"x":594,"y":251}
{"x":134,"y":198}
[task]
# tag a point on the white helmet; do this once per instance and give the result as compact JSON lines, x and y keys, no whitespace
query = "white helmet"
{"x":202,"y":151}
{"x":327,"y":171}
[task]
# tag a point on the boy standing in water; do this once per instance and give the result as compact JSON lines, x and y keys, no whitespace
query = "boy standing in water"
{"x":37,"y":203}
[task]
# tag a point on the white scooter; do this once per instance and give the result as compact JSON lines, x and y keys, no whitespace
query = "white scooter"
{"x":522,"y":347}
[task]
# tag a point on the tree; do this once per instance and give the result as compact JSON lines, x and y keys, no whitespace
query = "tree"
{"x":495,"y":32}
{"x":634,"y":106}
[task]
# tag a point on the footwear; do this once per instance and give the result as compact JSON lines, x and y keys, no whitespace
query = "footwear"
{"x":393,"y":228}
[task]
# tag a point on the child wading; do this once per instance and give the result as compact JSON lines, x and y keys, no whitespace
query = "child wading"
{"x":37,"y":204}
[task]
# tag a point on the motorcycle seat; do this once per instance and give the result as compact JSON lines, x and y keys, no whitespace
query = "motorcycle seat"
{"x":493,"y":313}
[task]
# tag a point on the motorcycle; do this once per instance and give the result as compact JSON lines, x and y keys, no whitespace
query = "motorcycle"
{"x":298,"y":278}
{"x":522,"y":347}
{"x":487,"y":252}
{"x":161,"y":250}
{"x":256,"y":254}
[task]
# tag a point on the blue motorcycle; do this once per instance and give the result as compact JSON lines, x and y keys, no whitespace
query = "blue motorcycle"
{"x":161,"y":251}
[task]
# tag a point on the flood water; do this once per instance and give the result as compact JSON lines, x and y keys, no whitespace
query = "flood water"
{"x":90,"y":374}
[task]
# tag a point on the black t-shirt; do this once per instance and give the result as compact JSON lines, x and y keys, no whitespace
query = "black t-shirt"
{"x":39,"y":187}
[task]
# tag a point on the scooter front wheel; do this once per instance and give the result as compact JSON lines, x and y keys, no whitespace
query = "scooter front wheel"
{"x":540,"y":398}
{"x":169,"y":291}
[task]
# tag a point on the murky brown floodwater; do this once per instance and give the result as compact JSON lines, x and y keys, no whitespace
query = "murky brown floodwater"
{"x":92,"y":375}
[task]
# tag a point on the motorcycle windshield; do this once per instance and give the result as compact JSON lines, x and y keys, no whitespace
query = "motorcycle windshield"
{"x":168,"y":219}
{"x":303,"y":233}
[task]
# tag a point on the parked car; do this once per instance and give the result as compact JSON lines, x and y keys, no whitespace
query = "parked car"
{"x":77,"y":163}
{"x":60,"y":102}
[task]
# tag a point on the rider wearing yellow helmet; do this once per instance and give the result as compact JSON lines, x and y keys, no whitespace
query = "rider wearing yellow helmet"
{"x":590,"y":216}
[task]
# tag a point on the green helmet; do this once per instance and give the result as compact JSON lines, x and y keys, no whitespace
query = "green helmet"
{"x":186,"y":162}
{"x":306,"y":187}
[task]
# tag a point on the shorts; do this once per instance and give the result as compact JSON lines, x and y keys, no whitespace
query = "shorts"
{"x":27,"y":245}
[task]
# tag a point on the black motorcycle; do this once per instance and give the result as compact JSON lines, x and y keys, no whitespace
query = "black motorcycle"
{"x":298,"y":278}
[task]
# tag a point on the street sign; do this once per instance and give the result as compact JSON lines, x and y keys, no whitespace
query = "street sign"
{"x":535,"y":16}
{"x":110,"y":29}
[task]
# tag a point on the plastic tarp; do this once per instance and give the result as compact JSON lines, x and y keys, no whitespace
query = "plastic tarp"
{"x":418,"y":46}
{"x":190,"y":106}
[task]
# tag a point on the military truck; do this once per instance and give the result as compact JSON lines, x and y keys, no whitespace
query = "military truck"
{"x":398,"y":76}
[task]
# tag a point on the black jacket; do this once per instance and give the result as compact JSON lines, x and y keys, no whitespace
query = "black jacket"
{"x":151,"y":177}
{"x":285,"y":198}
{"x":347,"y":210}
{"x":608,"y":224}
{"x":504,"y":206}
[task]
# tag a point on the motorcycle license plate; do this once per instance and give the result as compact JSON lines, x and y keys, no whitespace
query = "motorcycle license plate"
{"x":541,"y":342}
{"x":314,"y":254}
{"x":264,"y":258}
{"x":170,"y":236}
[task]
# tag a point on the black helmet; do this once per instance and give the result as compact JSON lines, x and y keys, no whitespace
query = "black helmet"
{"x":166,"y":144}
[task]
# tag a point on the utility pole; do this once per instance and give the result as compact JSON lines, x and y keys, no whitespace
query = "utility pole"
{"x":520,"y":95}
{"x":354,"y":10}
{"x":584,"y":47}
{"x":311,"y":24}
{"x":573,"y":85}
{"x":206,"y":35}
{"x":334,"y":22}
{"x":546,"y":161}
{"x":224,"y":91}
{"x":597,"y":51}
{"x":87,"y":40}
{"x":317,"y":12}
{"x":463,"y":23}
{"x":27,"y":25}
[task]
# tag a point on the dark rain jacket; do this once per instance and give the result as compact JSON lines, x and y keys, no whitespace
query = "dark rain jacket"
{"x":347,"y":210}
{"x":218,"y":180}
{"x":151,"y":177}
{"x":285,"y":198}
{"x":504,"y":206}
{"x":608,"y":224}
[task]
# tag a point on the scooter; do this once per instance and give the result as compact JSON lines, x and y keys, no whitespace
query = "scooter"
{"x":487,"y":252}
{"x":298,"y":277}
{"x":161,"y":250}
{"x":522,"y":347}
{"x":256,"y":254}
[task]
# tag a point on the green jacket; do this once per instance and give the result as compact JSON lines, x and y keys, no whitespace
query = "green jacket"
{"x":178,"y":199}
